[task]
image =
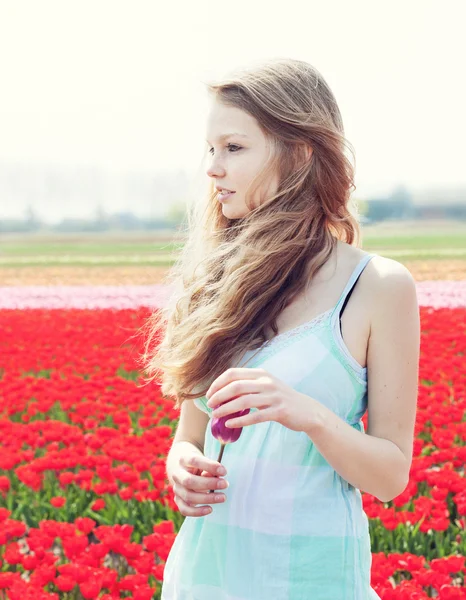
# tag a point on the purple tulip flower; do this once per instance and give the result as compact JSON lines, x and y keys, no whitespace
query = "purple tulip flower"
{"x":226,"y":435}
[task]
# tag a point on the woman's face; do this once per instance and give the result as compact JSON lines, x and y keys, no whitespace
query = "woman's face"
{"x":238,"y":151}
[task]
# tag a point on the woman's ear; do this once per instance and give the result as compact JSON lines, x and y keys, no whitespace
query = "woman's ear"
{"x":306,"y":152}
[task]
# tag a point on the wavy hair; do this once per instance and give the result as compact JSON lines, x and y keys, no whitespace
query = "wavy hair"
{"x":234,"y":276}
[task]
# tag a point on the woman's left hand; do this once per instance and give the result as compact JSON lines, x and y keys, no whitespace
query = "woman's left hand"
{"x":256,"y":388}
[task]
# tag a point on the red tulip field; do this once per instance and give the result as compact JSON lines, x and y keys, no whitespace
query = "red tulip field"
{"x":85,"y":507}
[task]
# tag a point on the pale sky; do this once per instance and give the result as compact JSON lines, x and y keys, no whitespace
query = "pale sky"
{"x":119,"y":84}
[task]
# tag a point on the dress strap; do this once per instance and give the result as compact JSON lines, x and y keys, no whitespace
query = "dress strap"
{"x":351,"y":283}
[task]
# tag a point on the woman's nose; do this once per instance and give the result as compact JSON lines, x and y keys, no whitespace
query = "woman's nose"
{"x":215,"y":169}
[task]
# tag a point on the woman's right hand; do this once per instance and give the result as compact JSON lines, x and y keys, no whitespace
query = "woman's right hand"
{"x":195,"y":476}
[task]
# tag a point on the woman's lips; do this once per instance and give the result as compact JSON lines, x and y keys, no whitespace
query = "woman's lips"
{"x":224,"y":195}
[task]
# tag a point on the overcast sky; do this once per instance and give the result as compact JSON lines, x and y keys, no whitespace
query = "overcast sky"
{"x":119,"y":84}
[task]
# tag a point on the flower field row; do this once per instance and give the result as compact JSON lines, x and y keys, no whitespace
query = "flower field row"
{"x":422,"y":270}
{"x":85,"y":507}
{"x":448,"y":294}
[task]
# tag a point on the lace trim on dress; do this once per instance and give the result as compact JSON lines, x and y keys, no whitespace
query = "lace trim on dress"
{"x":303,"y":327}
{"x":275,"y":344}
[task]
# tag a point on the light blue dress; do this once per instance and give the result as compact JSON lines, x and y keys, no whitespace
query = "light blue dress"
{"x":291,"y":527}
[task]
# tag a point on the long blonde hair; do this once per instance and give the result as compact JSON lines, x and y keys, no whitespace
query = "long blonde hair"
{"x":234,"y":276}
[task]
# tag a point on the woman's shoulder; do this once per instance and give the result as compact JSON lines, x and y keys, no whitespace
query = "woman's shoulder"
{"x":387,"y":272}
{"x":383,"y":281}
{"x":389,"y":283}
{"x":379,"y":270}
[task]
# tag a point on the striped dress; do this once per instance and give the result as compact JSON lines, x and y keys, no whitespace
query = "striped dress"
{"x":291,"y":527}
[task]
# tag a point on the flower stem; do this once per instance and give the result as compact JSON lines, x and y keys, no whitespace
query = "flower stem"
{"x":222,"y":449}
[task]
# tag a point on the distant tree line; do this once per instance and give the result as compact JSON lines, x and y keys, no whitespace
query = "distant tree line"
{"x":124,"y":221}
{"x":399,"y":205}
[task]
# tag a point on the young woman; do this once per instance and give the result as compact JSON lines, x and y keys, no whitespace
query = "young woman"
{"x":282,"y":315}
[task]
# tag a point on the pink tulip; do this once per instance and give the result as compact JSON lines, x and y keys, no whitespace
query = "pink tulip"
{"x":438,"y":294}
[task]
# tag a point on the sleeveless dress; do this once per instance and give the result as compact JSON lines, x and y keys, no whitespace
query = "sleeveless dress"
{"x":291,"y":527}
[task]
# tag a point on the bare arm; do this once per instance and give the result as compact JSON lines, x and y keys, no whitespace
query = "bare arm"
{"x":379,"y":462}
{"x":190,"y":433}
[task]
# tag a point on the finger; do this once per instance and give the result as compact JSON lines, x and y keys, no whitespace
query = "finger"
{"x":253,"y":400}
{"x":201,"y":462}
{"x":193,"y":498}
{"x":232,"y":375}
{"x":258,"y":416}
{"x":201,"y":484}
{"x":222,"y":484}
{"x":190,"y":511}
{"x":207,"y":474}
{"x":236,"y":390}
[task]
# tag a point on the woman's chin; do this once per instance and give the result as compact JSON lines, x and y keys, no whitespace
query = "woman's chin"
{"x":231,"y":212}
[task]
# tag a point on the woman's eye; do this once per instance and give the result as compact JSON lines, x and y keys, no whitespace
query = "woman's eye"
{"x":229,"y":146}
